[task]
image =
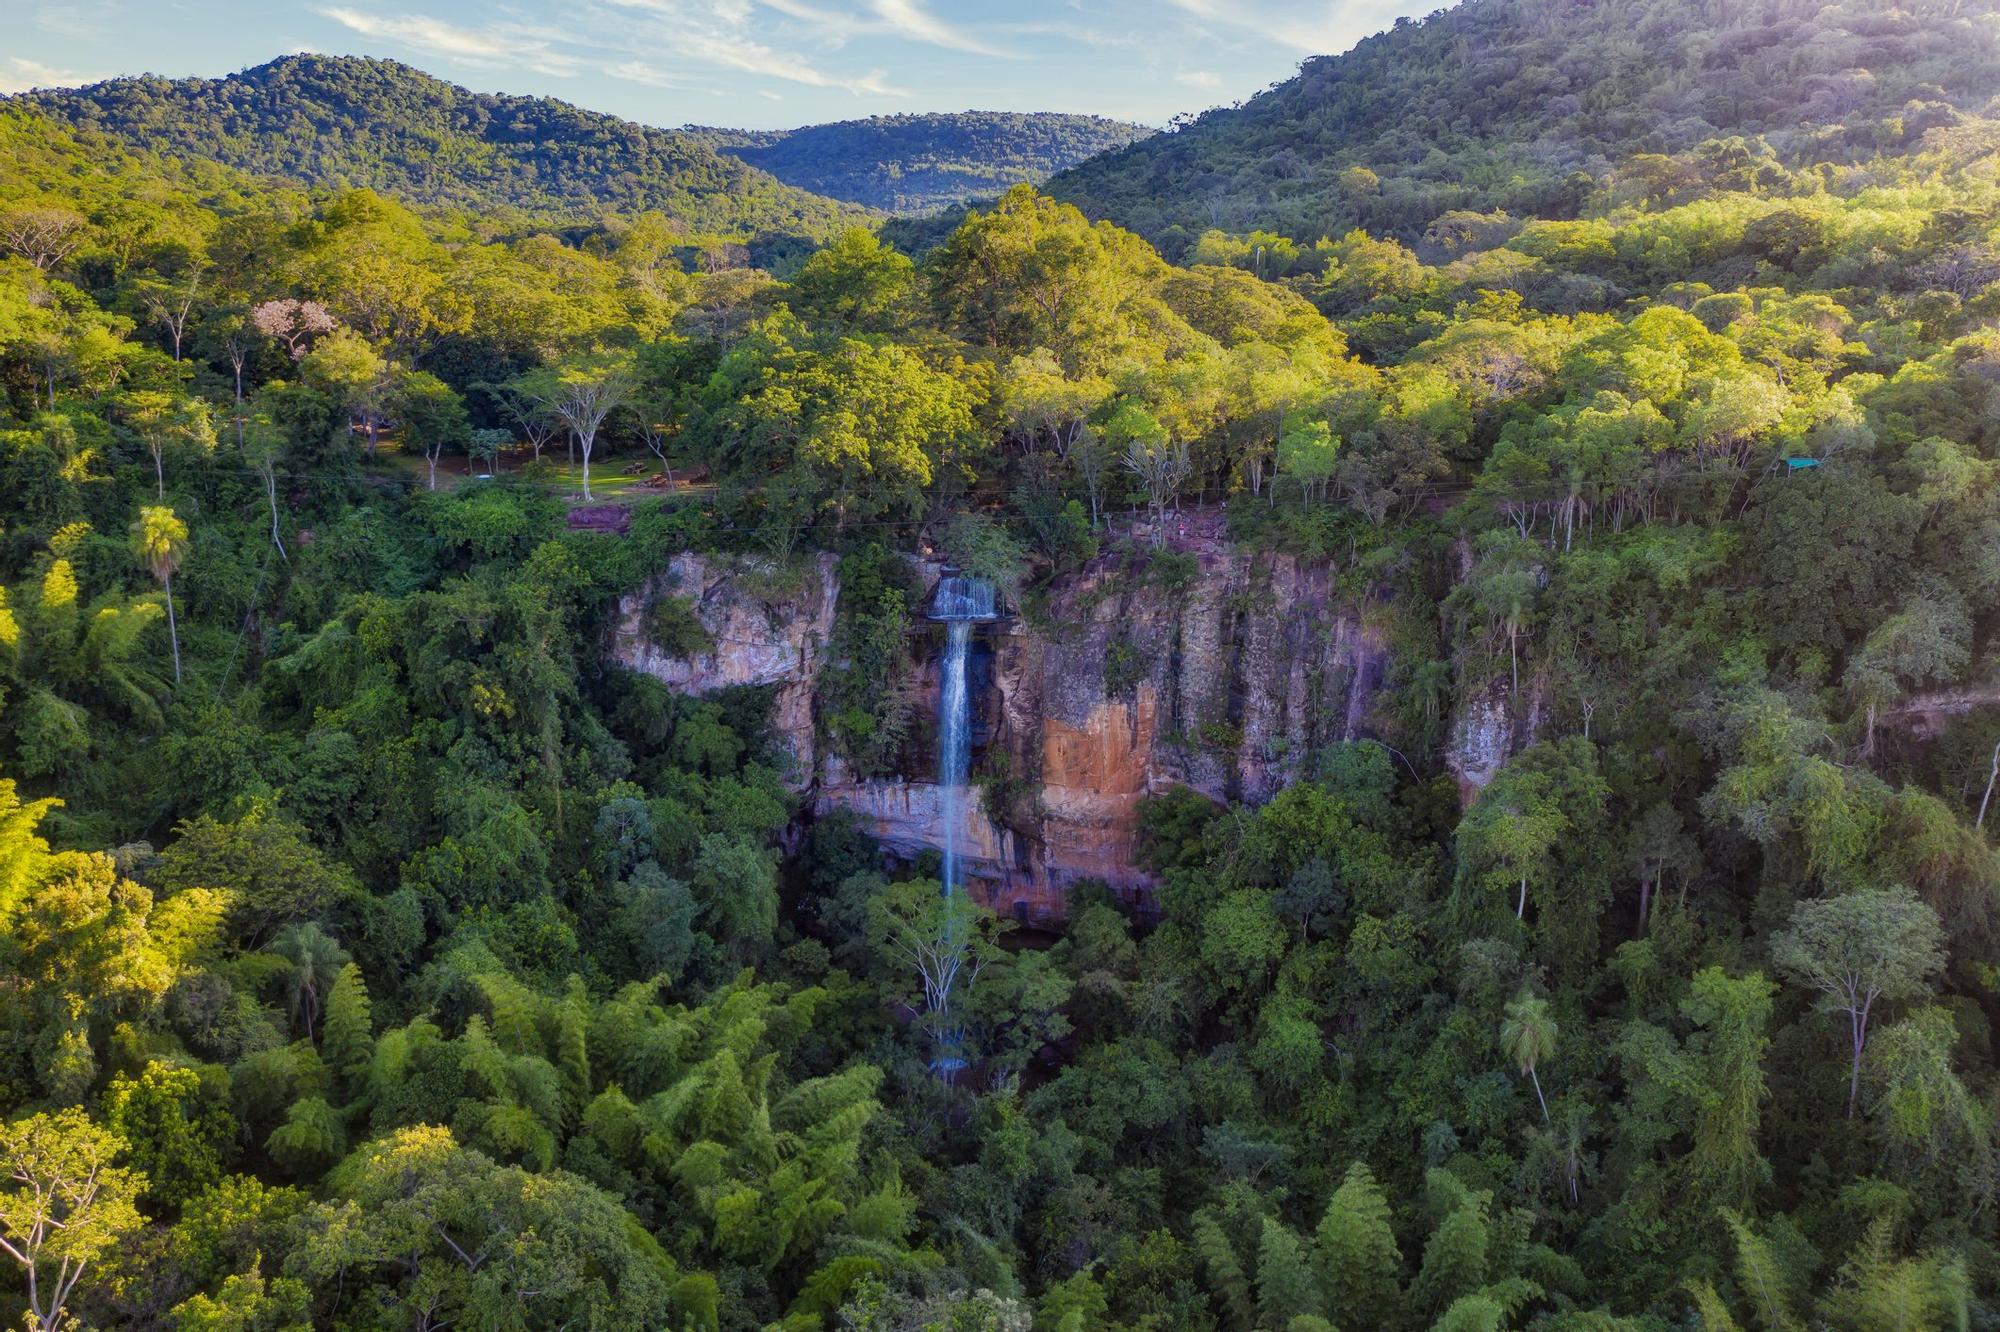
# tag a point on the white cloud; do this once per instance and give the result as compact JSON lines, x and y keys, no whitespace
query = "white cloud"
{"x":909,"y":19}
{"x":1198,"y":78}
{"x":19,"y":75}
{"x":829,"y":19}
{"x":756,"y":58}
{"x":638,"y":71}
{"x":1316,"y":28}
{"x":86,"y":20}
{"x":496,"y":45}
{"x":1074,"y":33}
{"x":724,"y":33}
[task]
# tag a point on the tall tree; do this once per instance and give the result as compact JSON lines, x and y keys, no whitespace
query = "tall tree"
{"x":264,"y":443}
{"x":1357,"y":1251}
{"x":526,"y":402}
{"x":160,"y":542}
{"x":43,"y":234}
{"x":316,"y":962}
{"x":161,"y":419}
{"x":1858,"y":949}
{"x":855,"y":282}
{"x":1158,"y":460}
{"x":1731,"y":1015}
{"x":432,"y":416}
{"x":1528,"y":1036}
{"x":294,"y":323}
{"x":1512,"y":834}
{"x":1928,"y":641}
{"x":63,"y":1205}
{"x":944,"y":939}
{"x":349,"y":1043}
{"x":171,"y":303}
{"x":586,"y":392}
{"x":346,"y":367}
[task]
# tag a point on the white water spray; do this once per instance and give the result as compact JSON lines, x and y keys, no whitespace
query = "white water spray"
{"x":960,"y":603}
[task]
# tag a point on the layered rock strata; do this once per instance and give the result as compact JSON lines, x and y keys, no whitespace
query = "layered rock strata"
{"x":1226,"y":678}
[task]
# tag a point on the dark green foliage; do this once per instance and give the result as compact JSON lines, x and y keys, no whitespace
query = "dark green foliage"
{"x":917,"y":163}
{"x":866,"y":712}
{"x":384,"y":126}
{"x":1518,"y":105}
{"x":674,"y":628}
{"x":1548,"y":807}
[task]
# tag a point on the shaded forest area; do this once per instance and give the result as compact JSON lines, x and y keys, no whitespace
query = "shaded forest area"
{"x":377,"y":954}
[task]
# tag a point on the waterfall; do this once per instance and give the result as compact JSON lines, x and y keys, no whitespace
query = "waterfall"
{"x":960,"y":603}
{"x":954,"y":743}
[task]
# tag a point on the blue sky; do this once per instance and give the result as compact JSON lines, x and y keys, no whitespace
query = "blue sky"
{"x":752,"y":63}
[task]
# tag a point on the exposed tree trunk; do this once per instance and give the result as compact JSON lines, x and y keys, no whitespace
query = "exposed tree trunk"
{"x":1858,"y":1019}
{"x":1521,"y":906}
{"x":1987,"y":799}
{"x":1536,"y":1079}
{"x":271,"y":492}
{"x":173,"y":628}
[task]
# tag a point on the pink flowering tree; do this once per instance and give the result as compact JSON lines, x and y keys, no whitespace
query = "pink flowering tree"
{"x":294,"y":323}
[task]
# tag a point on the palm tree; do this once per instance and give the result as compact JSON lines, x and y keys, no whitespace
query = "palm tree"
{"x":316,"y":959}
{"x":159,"y":540}
{"x":1528,"y":1036}
{"x":1507,"y":595}
{"x":1515,"y":599}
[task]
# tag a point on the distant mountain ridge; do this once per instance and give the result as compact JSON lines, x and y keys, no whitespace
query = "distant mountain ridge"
{"x":363,"y":122}
{"x":1530,"y":106}
{"x":352,"y":121}
{"x":919,"y":163}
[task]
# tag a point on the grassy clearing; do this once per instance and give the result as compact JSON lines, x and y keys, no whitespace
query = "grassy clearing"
{"x":617,"y":480}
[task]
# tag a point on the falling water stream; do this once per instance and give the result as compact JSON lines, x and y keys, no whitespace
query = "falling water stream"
{"x":960,"y":603}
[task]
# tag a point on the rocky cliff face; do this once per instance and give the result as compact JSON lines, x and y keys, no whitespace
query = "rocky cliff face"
{"x":1491,"y":726}
{"x":763,"y":629}
{"x":1227,"y":683}
{"x":1124,"y":685}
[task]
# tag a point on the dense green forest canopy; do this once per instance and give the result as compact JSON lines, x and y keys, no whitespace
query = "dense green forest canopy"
{"x":917,"y":163}
{"x":1541,"y":108}
{"x":379,"y":953}
{"x":347,"y":122}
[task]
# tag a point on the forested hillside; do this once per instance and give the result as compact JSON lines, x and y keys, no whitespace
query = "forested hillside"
{"x":1553,"y":109}
{"x":916,"y":163}
{"x":420,"y":906}
{"x":347,"y":122}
